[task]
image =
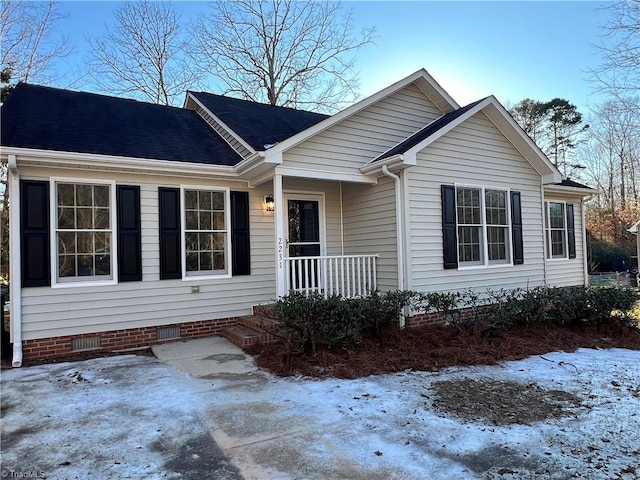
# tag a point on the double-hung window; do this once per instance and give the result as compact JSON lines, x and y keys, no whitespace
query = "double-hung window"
{"x":206,"y":232}
{"x":556,"y":229}
{"x":483,"y":226}
{"x":83,"y":232}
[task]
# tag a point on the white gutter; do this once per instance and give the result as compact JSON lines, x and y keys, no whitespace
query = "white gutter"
{"x":399,"y":232}
{"x":584,"y":244}
{"x":14,"y":261}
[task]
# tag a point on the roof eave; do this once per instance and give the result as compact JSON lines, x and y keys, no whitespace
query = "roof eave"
{"x":394,"y":163}
{"x":36,"y":157}
{"x":583,"y":192}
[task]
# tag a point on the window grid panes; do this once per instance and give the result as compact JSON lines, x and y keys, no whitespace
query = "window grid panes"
{"x":497,"y":225}
{"x":205,"y":231}
{"x":83,"y":231}
{"x":556,"y":230}
{"x":483,"y":226}
{"x":469,"y":212}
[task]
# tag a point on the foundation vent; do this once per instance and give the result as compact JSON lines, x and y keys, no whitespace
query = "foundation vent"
{"x":167,"y":333}
{"x":85,"y":343}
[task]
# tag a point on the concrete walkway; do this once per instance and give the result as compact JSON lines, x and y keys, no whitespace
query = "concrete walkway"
{"x":211,"y":357}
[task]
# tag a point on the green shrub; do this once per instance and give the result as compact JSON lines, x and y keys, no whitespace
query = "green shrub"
{"x":312,"y":322}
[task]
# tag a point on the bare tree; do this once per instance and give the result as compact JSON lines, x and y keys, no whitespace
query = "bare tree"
{"x":29,"y":44}
{"x":282,"y":52}
{"x":619,"y":73}
{"x":142,"y":54}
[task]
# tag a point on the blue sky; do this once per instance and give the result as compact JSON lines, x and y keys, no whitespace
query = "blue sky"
{"x":510,"y":49}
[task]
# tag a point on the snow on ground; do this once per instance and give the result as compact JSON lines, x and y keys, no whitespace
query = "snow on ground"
{"x":133,"y":417}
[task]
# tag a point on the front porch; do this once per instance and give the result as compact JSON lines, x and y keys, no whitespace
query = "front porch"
{"x":332,"y":237}
{"x":345,"y":275}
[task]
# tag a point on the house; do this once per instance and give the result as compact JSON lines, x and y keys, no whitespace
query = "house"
{"x":136,"y":223}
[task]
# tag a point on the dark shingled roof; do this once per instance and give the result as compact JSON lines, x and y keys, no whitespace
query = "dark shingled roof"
{"x":426,"y":132}
{"x":62,"y":120}
{"x":258,"y":124}
{"x":571,"y":183}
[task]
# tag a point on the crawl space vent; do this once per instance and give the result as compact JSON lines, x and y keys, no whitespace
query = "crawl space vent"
{"x":85,"y":343}
{"x":165,"y":333}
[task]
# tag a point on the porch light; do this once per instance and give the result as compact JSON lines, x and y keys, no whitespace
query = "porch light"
{"x":269,"y":203}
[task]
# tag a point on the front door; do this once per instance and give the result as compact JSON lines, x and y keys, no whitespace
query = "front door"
{"x":304,"y":239}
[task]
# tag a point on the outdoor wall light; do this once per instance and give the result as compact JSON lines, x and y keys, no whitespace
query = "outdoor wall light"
{"x":269,"y":203}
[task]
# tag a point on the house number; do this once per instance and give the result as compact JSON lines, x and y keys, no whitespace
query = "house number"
{"x":280,"y":250}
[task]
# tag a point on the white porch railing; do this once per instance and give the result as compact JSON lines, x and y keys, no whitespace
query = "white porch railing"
{"x":346,"y":275}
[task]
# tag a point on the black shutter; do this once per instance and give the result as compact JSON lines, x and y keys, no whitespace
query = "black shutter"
{"x":34,"y":234}
{"x":129,"y":235}
{"x":240,"y":252}
{"x":449,"y":229}
{"x":571,"y":231}
{"x":170,"y":257}
{"x":516,"y":228}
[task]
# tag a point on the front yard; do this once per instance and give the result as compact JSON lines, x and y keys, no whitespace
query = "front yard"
{"x":555,"y":416}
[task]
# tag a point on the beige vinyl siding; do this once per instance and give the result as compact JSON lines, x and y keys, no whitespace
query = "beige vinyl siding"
{"x":568,"y":271}
{"x":370,"y":227}
{"x":50,"y":312}
{"x":348,"y":145}
{"x":474,"y":153}
{"x":224,"y":133}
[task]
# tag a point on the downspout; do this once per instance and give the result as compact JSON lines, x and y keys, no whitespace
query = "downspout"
{"x":584,"y":244}
{"x":341,"y":223}
{"x":399,"y":233}
{"x":544,"y":232}
{"x":14,"y":261}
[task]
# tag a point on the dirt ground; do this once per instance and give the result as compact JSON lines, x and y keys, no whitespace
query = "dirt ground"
{"x":434,"y":347}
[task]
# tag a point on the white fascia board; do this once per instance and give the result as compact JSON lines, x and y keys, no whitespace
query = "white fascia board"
{"x":27,"y":156}
{"x":634,"y":228}
{"x":273,"y":155}
{"x":326,"y":175}
{"x":395,"y":162}
{"x":250,"y":163}
{"x":222,"y":124}
{"x":357,"y":107}
{"x":581,"y":192}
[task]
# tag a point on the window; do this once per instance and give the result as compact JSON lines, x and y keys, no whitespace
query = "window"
{"x":206,"y":232}
{"x":84,"y":232}
{"x":483,"y":226}
{"x":556,"y":230}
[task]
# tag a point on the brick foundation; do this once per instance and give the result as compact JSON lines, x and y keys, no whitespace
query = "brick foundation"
{"x":424,"y":319}
{"x":119,"y":340}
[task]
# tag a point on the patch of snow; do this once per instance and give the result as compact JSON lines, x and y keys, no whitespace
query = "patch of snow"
{"x":128,"y":417}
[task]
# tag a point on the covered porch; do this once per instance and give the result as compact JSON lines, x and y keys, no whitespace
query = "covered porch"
{"x":333,"y":236}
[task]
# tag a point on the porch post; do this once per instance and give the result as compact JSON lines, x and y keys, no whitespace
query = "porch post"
{"x":278,"y":218}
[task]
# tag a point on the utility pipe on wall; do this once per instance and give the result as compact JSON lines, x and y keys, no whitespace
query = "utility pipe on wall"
{"x":399,"y":232}
{"x":14,"y":261}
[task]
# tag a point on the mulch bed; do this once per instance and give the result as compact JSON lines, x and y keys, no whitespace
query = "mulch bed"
{"x":432,"y":348}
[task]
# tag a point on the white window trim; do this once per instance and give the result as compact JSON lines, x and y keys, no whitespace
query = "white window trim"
{"x":485,"y":243}
{"x":53,"y":240}
{"x":227,"y":225}
{"x":547,"y":232}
